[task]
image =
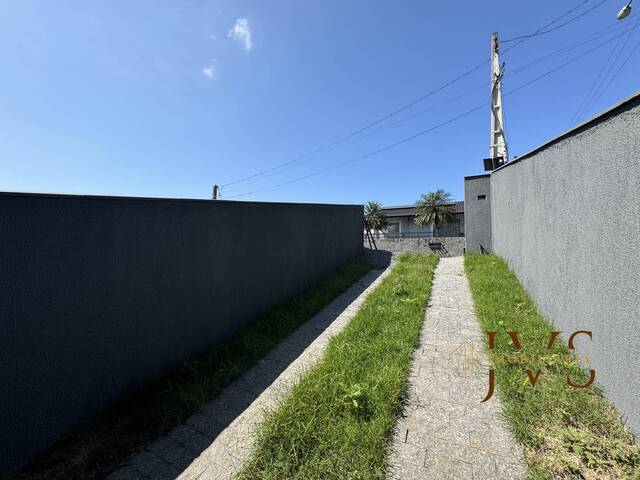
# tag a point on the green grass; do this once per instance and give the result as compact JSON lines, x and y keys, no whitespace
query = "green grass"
{"x":339,"y":419}
{"x":144,"y":415}
{"x":566,"y":433}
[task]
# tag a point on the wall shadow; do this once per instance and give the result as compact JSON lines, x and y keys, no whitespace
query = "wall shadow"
{"x":173,"y":453}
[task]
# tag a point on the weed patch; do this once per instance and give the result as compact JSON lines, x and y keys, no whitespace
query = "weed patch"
{"x":567,"y":433}
{"x":339,"y":420}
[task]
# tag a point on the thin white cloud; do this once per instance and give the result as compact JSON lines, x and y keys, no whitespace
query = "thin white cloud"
{"x":210,"y":71}
{"x":241,"y":32}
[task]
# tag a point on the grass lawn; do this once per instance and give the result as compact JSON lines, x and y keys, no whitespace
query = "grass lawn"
{"x":146,"y":414}
{"x":339,"y":419}
{"x":566,"y":432}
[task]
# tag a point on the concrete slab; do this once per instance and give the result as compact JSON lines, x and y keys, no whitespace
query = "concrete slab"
{"x":445,"y":432}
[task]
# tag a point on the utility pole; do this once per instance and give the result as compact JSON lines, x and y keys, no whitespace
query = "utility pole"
{"x":498,"y":148}
{"x":216,"y":192}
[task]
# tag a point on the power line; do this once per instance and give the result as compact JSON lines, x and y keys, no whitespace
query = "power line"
{"x":573,"y":60}
{"x":370,"y":154}
{"x":542,"y":30}
{"x":362,"y":129}
{"x":605,"y":85}
{"x":626,"y":60}
{"x":594,"y":86}
{"x":567,"y":48}
{"x":431,"y":129}
{"x":378,"y":130}
{"x":589,"y":38}
{"x":296,"y":160}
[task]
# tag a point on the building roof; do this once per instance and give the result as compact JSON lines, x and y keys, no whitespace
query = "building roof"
{"x":410,"y":210}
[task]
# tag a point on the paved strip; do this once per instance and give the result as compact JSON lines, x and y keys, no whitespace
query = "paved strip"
{"x":445,"y":432}
{"x":214,"y":443}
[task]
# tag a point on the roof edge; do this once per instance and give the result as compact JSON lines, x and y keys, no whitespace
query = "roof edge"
{"x":413,"y":205}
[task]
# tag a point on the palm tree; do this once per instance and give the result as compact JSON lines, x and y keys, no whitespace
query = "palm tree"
{"x":374,"y":219}
{"x":432,"y":209}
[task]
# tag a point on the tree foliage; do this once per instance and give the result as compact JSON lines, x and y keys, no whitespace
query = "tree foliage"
{"x":434,"y":209}
{"x":374,"y":217}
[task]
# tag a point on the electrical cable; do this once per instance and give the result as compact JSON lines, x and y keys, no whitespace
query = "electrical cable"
{"x":626,"y":60}
{"x":594,"y":86}
{"x":589,"y":38}
{"x":360,"y":130}
{"x":557,"y":27}
{"x":567,"y":48}
{"x":605,"y":84}
{"x":412,"y":103}
{"x":378,"y":130}
{"x":428,"y":130}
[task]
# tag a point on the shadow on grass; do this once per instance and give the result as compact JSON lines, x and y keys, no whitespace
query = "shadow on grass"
{"x":132,"y":423}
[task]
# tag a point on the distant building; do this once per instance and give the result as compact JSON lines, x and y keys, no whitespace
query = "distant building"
{"x":402,"y":223}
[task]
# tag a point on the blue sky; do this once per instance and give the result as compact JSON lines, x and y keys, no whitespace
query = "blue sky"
{"x":164,"y":98}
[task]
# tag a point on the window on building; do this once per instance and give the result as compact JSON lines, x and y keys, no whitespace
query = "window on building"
{"x":482,"y":197}
{"x":393,"y":227}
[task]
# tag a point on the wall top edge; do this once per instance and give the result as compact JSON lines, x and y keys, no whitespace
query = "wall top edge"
{"x":480,"y":175}
{"x":626,"y":104}
{"x":202,"y":201}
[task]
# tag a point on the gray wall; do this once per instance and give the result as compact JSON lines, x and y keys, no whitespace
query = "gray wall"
{"x":454,"y":245}
{"x":567,"y":219}
{"x":477,"y":220}
{"x":98,"y":295}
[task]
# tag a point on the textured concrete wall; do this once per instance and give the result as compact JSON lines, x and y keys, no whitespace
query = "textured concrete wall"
{"x":408,"y":226}
{"x":477,"y":227}
{"x":98,"y":295}
{"x":454,"y":245}
{"x":567,"y":219}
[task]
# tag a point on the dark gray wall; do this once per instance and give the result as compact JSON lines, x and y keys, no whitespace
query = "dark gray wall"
{"x":477,"y":221}
{"x":567,"y":219}
{"x":98,"y":295}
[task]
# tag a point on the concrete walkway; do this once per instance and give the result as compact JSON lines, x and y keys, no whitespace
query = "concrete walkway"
{"x":446,"y":433}
{"x":214,"y":443}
